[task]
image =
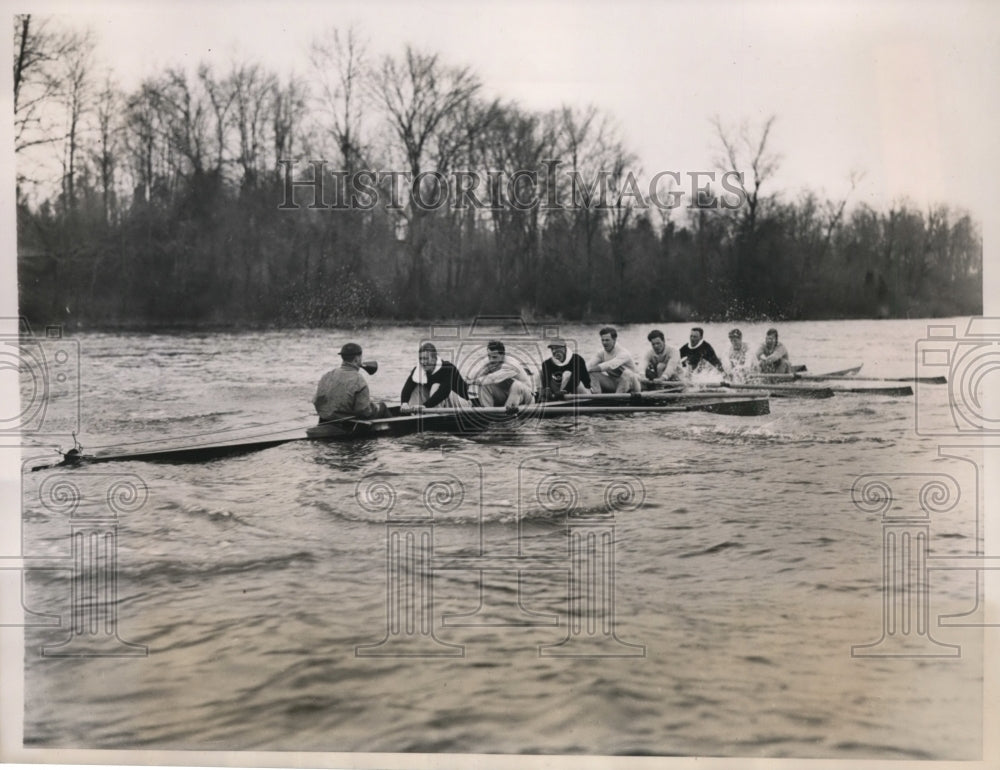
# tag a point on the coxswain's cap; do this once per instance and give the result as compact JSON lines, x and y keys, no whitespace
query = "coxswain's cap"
{"x":350,"y":350}
{"x":557,"y":342}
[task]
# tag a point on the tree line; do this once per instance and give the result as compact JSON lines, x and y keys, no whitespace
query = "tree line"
{"x":161,"y":205}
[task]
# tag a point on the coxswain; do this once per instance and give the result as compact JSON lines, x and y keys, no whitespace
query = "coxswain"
{"x":343,"y":392}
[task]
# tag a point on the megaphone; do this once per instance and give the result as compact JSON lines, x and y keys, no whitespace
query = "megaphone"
{"x":370,"y":366}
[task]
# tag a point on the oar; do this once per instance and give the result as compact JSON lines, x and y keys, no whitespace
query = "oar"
{"x":661,"y":385}
{"x":796,"y":374}
{"x":639,"y":398}
{"x":549,"y":408}
{"x":940,"y":380}
{"x":764,"y":387}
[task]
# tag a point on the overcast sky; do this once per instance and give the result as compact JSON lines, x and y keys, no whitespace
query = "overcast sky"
{"x":902,"y":92}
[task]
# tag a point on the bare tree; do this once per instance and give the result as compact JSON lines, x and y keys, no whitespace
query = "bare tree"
{"x":221,"y":97}
{"x":185,"y":116}
{"x":37,"y":49}
{"x":625,"y":196}
{"x":76,"y":94}
{"x":583,"y":137}
{"x":340,"y":64}
{"x":253,"y":90}
{"x":513,"y":141}
{"x":43,"y":94}
{"x":144,"y":139}
{"x":107,"y":108}
{"x":287,"y":102}
{"x":834,"y":210}
{"x":419,"y":95}
{"x":746,"y":152}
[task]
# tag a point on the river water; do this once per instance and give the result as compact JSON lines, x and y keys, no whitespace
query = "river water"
{"x":686,"y":584}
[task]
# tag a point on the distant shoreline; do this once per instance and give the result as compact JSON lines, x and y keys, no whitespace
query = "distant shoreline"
{"x":234,"y":327}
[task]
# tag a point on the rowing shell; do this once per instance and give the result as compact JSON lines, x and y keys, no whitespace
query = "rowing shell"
{"x":690,"y":396}
{"x":789,"y":376}
{"x":471,"y":420}
{"x":784,"y":391}
{"x":842,"y":381}
{"x":811,"y":391}
{"x":851,"y":375}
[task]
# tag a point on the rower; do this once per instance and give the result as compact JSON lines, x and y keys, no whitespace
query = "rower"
{"x":772,"y":356}
{"x":433,"y":382}
{"x":562,"y":374}
{"x":343,"y":392}
{"x":696,"y":351}
{"x":613,"y":370}
{"x":736,"y":357}
{"x":502,"y":381}
{"x":662,"y":361}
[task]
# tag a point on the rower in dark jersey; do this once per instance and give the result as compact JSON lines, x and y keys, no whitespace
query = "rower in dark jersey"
{"x":563,"y":374}
{"x":433,"y":382}
{"x":696,"y":351}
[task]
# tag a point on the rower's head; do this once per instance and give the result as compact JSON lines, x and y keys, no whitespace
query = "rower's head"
{"x":495,"y":351}
{"x":771,"y":336}
{"x":736,"y":337}
{"x":656,"y":339}
{"x":558,"y":347}
{"x":696,"y":335}
{"x":609,"y":336}
{"x":351,"y":353}
{"x":428,"y":355}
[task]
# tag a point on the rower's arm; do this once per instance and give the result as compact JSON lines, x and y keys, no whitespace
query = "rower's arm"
{"x":671,"y":368}
{"x":673,"y":363}
{"x":439,"y":392}
{"x":505,"y":372}
{"x":621,"y":360}
{"x":408,"y":387}
{"x":776,"y":355}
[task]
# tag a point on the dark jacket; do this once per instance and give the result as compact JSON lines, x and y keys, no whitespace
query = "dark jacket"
{"x":692,"y":357}
{"x":445,"y":376}
{"x":575,"y":365}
